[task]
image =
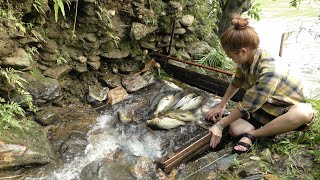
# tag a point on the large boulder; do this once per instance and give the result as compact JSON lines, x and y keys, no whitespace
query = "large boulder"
{"x":18,"y":60}
{"x":139,"y":30}
{"x":44,"y":90}
{"x":26,"y":146}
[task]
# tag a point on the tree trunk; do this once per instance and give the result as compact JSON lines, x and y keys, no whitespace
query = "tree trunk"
{"x":228,"y":9}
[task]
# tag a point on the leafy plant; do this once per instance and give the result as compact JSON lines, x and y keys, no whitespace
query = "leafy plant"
{"x":215,"y":58}
{"x":31,"y":51}
{"x":59,"y":5}
{"x":8,"y":112}
{"x":104,"y":16}
{"x":61,"y":60}
{"x":295,"y":3}
{"x":254,"y":11}
{"x":38,"y":4}
{"x":11,"y":79}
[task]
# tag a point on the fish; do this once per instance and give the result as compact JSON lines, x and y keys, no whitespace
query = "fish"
{"x":184,"y":100}
{"x":194,"y":103}
{"x":176,"y":99}
{"x":124,"y":118}
{"x":172,"y":85}
{"x":208,"y":105}
{"x":164,"y":123}
{"x":164,"y":103}
{"x":181,"y":115}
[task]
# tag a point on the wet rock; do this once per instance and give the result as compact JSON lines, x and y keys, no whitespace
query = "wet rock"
{"x":94,"y":64}
{"x":27,"y":40}
{"x":90,"y":37}
{"x":198,"y":49}
{"x":142,"y":167}
{"x":27,"y":147}
{"x":116,"y":54}
{"x":80,"y":68}
{"x":184,"y":55}
{"x":44,"y":90}
{"x":191,"y":3}
{"x":173,"y":50}
{"x":116,"y":95}
{"x":94,"y":58}
{"x":50,"y":46}
{"x":108,"y":169}
{"x":166,"y":39}
{"x":112,"y":80}
{"x":91,"y":171}
{"x":187,"y":20}
{"x":175,"y":7}
{"x":180,"y":44}
{"x":148,"y":45}
{"x":82,"y":59}
{"x":97,"y":93}
{"x":47,"y":116}
{"x":48,"y":57}
{"x":139,"y":30}
{"x":134,"y":83}
{"x":7,"y":47}
{"x":180,"y":31}
{"x":74,"y":146}
{"x":18,"y":60}
{"x":89,"y":9}
{"x":57,"y":72}
{"x":129,"y":66}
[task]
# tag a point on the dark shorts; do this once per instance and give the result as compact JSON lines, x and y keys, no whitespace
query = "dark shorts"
{"x":257,"y":124}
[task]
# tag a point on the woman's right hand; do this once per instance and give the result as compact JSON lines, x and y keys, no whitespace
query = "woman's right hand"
{"x":215,"y":113}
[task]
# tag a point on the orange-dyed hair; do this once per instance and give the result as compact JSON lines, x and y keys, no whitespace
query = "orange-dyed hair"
{"x":240,"y":35}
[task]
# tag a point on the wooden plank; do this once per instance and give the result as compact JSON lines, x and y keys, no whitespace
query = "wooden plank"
{"x":210,"y":84}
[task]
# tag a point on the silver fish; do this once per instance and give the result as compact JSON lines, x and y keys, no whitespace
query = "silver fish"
{"x":164,"y":103}
{"x":181,"y":115}
{"x":194,"y":103}
{"x":184,"y":100}
{"x":164,"y":123}
{"x":172,"y":85}
{"x":208,"y":105}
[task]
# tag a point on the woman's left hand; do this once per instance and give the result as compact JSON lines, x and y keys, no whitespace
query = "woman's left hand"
{"x":216,"y":136}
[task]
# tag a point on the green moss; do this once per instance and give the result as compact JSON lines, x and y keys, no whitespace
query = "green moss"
{"x":36,"y":73}
{"x":31,"y":133}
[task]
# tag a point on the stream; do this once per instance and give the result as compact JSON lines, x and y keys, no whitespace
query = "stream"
{"x":301,"y":47}
{"x":117,"y":150}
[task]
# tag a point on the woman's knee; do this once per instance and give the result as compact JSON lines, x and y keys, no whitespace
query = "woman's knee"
{"x":301,"y":113}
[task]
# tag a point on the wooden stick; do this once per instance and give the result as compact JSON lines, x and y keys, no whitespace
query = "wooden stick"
{"x":172,"y":162}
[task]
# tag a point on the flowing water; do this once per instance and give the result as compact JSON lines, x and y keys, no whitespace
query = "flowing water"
{"x":301,"y":48}
{"x":118,"y":150}
{"x":127,"y":151}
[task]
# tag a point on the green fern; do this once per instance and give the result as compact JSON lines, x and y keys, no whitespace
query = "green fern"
{"x":58,"y":4}
{"x":8,"y":112}
{"x":216,"y":58}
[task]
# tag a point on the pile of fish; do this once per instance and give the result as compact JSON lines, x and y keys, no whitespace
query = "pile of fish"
{"x":173,"y":111}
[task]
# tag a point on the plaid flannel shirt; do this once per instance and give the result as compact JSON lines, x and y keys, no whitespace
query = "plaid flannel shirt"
{"x":268,"y":85}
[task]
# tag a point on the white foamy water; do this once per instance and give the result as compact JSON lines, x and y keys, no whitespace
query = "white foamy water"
{"x":300,"y":50}
{"x":104,"y":141}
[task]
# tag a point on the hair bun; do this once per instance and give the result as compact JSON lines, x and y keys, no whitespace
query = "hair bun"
{"x":239,"y":22}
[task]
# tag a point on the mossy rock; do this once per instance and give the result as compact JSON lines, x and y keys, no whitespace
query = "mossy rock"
{"x":26,"y":146}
